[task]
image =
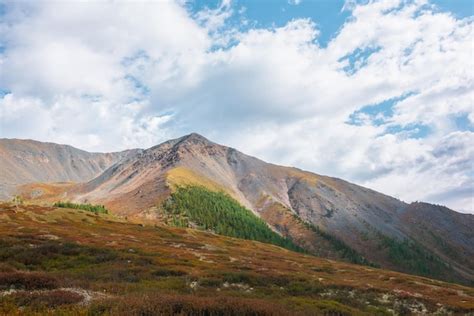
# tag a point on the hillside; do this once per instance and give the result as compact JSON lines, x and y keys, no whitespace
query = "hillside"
{"x":73,"y":262}
{"x":327,"y":217}
{"x":297,"y":204}
{"x":26,"y":161}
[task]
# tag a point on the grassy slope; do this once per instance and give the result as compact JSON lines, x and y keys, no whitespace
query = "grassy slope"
{"x":131,"y":269}
{"x":408,"y":257}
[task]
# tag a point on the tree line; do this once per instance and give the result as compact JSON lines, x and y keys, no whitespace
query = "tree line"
{"x":86,"y":207}
{"x":220,"y":213}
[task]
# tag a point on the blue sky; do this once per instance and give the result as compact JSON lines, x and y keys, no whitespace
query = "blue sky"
{"x":379,"y":93}
{"x":328,"y":14}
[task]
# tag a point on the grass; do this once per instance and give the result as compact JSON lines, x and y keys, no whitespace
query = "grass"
{"x":183,"y":177}
{"x":128,"y":269}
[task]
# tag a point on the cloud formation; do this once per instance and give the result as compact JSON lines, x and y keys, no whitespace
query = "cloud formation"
{"x":387,"y":103}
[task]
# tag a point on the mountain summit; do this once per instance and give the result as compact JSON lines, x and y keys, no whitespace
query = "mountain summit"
{"x":326,"y":216}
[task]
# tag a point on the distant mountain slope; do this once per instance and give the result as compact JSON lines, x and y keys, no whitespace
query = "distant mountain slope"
{"x":25,"y":161}
{"x":328,"y":217}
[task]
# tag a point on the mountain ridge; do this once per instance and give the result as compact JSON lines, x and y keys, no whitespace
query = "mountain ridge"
{"x":25,"y":161}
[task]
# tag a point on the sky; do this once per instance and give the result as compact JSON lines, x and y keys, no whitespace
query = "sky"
{"x":379,"y":93}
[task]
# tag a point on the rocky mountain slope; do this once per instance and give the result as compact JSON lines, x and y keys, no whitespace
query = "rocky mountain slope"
{"x":327,"y":216}
{"x":26,"y":161}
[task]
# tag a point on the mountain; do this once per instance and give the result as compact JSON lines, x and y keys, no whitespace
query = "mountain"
{"x":27,"y":161}
{"x":325,"y":216}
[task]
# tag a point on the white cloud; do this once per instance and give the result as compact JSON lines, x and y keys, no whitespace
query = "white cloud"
{"x":294,"y":2}
{"x":111,"y":75}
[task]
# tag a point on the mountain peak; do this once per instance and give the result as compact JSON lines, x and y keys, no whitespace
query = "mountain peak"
{"x":194,"y":139}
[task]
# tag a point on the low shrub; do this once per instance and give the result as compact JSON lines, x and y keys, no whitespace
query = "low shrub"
{"x":48,"y":299}
{"x":210,"y":282}
{"x":165,"y":272}
{"x":253,"y":278}
{"x":27,"y":280}
{"x":51,"y":254}
{"x":241,"y":277}
{"x":187,"y":305}
{"x":299,"y":288}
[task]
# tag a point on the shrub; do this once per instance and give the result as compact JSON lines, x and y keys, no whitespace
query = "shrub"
{"x":164,"y":272}
{"x":298,"y":288}
{"x":27,"y":280}
{"x":52,"y":254}
{"x":210,"y":282}
{"x":188,"y":305}
{"x":47,"y":299}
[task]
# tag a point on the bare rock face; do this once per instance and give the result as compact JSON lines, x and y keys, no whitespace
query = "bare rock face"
{"x":297,"y":204}
{"x":26,"y":161}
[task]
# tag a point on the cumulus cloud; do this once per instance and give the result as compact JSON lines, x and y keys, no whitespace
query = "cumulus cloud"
{"x":378,"y":105}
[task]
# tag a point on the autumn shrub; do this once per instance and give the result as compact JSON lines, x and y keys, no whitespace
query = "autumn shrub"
{"x":48,"y":299}
{"x":241,"y":277}
{"x":27,"y":280}
{"x":253,"y":278}
{"x":165,"y":272}
{"x":52,"y":254}
{"x":187,"y":305}
{"x":210,"y":282}
{"x":4,"y":267}
{"x":298,"y":288}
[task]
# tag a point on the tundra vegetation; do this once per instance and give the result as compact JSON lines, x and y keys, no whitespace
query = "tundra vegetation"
{"x":62,"y":261}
